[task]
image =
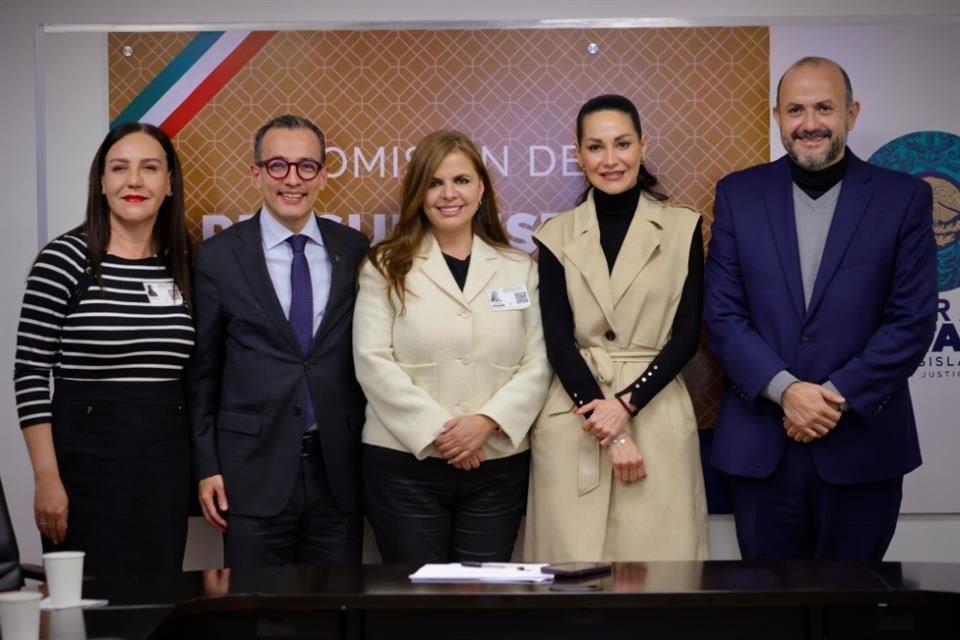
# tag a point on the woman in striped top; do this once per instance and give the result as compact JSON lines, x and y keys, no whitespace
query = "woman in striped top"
{"x":107,"y":313}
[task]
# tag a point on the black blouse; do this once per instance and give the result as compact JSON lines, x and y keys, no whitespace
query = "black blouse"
{"x":614,"y":214}
{"x":458,"y":268}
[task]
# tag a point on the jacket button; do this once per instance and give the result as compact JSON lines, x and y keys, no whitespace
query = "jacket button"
{"x":804,"y":339}
{"x":610,"y":335}
{"x":307,"y":365}
{"x":297,"y":410}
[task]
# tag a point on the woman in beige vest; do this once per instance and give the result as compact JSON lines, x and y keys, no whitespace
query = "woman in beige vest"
{"x":616,"y":465}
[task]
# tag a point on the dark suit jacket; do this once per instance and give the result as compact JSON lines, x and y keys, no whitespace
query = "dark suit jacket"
{"x":248,"y":376}
{"x":871,"y":317}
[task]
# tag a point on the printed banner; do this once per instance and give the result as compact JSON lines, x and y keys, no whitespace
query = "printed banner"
{"x":701,"y":92}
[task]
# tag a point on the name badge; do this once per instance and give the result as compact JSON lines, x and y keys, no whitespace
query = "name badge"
{"x":162,"y":295}
{"x":508,"y":298}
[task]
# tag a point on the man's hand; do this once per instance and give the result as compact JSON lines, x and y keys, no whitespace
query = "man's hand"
{"x":810,"y":411}
{"x":213,"y":497}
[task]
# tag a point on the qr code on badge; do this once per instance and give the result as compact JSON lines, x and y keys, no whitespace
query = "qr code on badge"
{"x":508,"y":298}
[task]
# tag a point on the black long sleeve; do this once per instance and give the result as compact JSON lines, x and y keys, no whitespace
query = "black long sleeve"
{"x":562,"y":349}
{"x":684,"y":337}
{"x":564,"y":354}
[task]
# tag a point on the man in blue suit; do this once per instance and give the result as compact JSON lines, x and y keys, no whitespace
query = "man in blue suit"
{"x":820,"y":303}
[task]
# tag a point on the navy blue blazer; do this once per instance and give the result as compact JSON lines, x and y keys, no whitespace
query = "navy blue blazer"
{"x":871,"y":317}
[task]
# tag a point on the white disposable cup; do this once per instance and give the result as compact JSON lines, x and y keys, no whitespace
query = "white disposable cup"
{"x":64,"y":571}
{"x":20,"y":615}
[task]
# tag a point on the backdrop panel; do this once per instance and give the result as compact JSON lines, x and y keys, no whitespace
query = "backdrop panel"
{"x":702,"y":94}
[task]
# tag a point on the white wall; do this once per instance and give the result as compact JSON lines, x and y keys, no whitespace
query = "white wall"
{"x":78,"y":82}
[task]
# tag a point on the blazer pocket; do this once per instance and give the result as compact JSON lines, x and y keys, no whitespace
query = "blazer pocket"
{"x":423,"y":376}
{"x":863,"y":257}
{"x":239,"y":422}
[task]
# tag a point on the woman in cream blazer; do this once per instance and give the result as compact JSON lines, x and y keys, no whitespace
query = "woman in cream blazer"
{"x":449,"y":351}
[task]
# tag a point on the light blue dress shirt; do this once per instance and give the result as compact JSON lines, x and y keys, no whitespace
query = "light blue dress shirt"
{"x":279,"y":256}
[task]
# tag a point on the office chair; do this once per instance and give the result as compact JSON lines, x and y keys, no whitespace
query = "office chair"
{"x":12,"y":572}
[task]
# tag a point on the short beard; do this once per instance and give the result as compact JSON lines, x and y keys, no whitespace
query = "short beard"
{"x":815,"y":163}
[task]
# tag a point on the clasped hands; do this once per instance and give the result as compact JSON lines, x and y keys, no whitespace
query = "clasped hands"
{"x":607,"y":423}
{"x":461,"y":440}
{"x":810,"y":411}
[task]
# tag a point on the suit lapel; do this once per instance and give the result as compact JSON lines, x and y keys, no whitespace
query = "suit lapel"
{"x":483,"y":266}
{"x":852,"y":204}
{"x":641,"y":242}
{"x":435,"y":268}
{"x":586,"y":256}
{"x":778,"y":198}
{"x":340,"y":283}
{"x":253,"y":265}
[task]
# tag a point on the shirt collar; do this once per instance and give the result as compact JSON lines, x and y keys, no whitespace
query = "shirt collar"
{"x":274,"y":233}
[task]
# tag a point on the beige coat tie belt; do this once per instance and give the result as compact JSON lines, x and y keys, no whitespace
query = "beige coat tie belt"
{"x":603,"y":364}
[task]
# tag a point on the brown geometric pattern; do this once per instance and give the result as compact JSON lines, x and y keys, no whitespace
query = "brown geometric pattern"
{"x":702,"y":95}
{"x":129,"y":75}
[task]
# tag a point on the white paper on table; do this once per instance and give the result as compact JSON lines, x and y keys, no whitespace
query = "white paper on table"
{"x":487,"y":572}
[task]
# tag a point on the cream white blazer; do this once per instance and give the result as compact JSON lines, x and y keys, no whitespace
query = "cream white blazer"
{"x":451,"y":352}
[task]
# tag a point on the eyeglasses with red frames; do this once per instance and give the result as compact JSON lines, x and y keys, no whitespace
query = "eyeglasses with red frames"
{"x":278,"y":168}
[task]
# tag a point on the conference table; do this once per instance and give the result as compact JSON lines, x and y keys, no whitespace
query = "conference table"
{"x":716,"y":600}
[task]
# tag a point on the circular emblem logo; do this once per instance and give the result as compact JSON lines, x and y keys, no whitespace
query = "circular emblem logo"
{"x":935,"y":157}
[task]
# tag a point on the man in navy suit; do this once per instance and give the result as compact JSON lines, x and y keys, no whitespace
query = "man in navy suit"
{"x":275,"y":407}
{"x":820,"y":303}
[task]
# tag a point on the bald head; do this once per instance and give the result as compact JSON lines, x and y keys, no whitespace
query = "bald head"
{"x":817,"y":61}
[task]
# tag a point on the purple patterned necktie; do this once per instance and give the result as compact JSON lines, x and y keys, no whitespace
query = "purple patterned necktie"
{"x":301,"y":310}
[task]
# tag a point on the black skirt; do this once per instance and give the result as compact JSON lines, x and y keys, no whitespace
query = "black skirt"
{"x":123,"y":449}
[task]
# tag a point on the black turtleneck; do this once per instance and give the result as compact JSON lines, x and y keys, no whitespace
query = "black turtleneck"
{"x":614,"y":215}
{"x":817,"y":183}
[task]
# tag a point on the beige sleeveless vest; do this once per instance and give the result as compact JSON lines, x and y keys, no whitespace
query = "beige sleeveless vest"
{"x":577,"y":510}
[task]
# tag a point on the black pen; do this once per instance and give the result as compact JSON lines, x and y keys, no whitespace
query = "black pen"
{"x":487,"y":565}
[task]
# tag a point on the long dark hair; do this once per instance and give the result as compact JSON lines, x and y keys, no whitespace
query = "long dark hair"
{"x":169,"y":232}
{"x":393,"y":257}
{"x":614,"y":102}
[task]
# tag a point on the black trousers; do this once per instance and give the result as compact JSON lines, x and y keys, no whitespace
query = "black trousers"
{"x":428,"y":511}
{"x":123,"y":449}
{"x":311,"y":528}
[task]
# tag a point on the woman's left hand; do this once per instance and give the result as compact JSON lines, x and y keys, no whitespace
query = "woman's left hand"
{"x":463,"y":437}
{"x":608,"y":420}
{"x":627,"y":461}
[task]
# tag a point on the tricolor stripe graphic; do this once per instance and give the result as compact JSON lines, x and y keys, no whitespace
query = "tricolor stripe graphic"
{"x":193,"y":78}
